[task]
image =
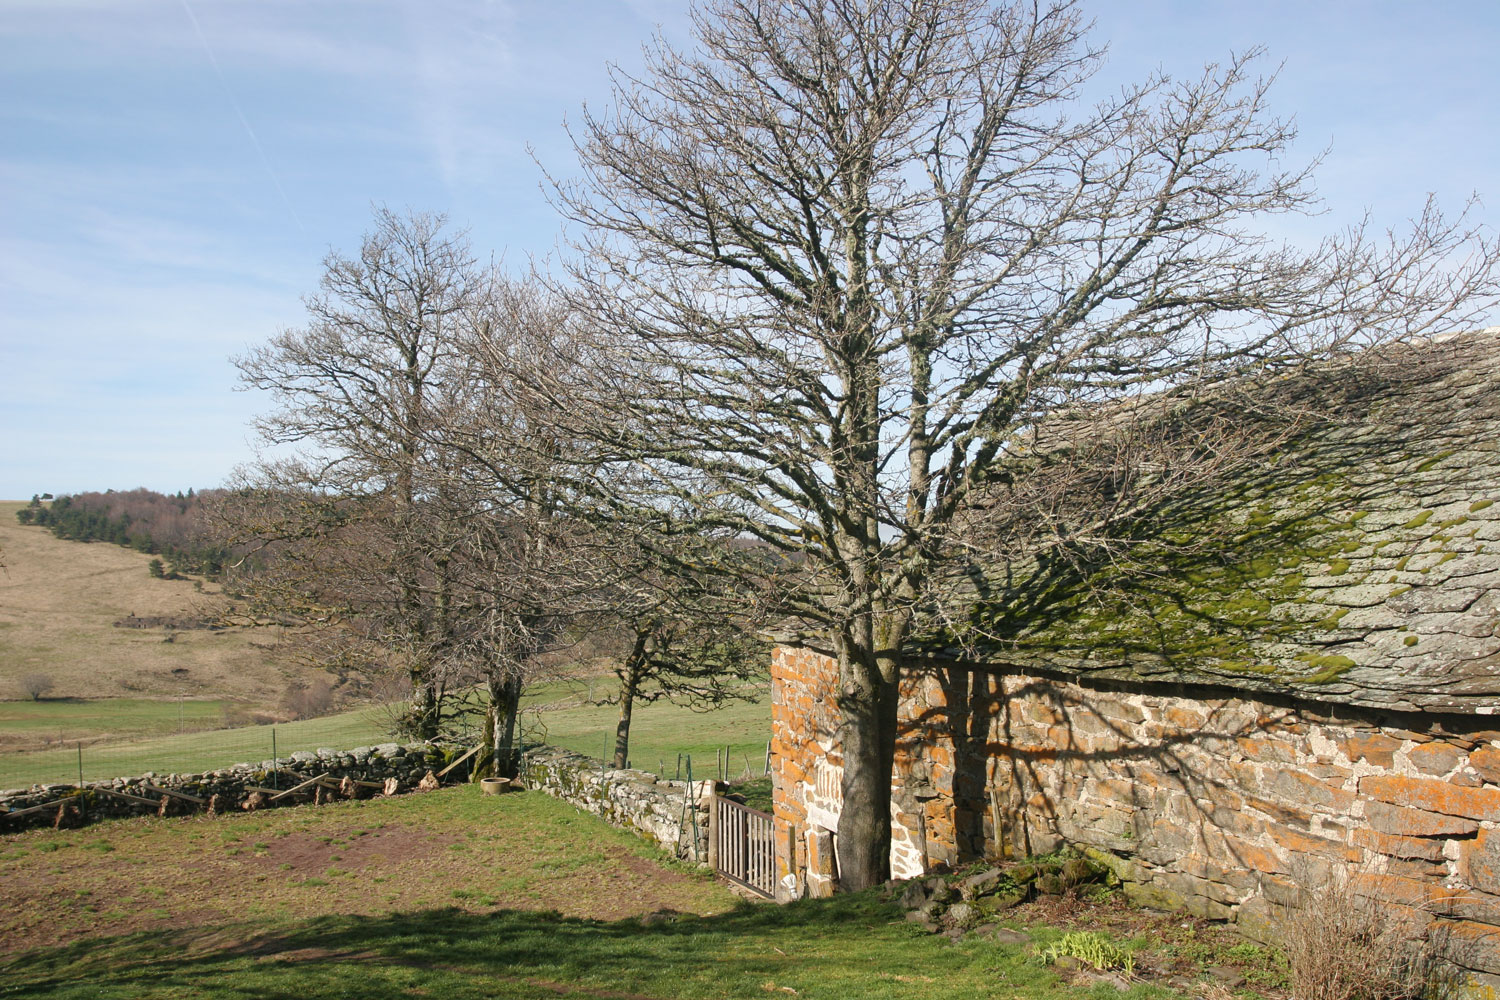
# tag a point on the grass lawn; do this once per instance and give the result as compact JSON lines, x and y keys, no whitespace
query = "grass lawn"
{"x":659,"y":732}
{"x":453,"y":895}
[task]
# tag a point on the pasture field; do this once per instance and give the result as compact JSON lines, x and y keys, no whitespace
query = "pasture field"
{"x":456,"y":895}
{"x":59,"y":601}
{"x":60,"y":720}
{"x":139,"y":703}
{"x":660,"y":732}
{"x":193,"y":752}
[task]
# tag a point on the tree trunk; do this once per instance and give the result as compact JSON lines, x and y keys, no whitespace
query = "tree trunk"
{"x":505,"y":705}
{"x":867,"y":703}
{"x":630,"y":680}
{"x":423,"y":715}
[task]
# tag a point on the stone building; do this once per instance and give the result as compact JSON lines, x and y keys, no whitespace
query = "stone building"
{"x":1320,"y":692}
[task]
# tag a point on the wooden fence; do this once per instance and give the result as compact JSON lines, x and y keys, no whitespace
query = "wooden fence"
{"x":745,"y":848}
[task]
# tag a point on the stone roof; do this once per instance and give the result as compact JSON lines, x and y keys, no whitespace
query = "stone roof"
{"x":1358,"y":563}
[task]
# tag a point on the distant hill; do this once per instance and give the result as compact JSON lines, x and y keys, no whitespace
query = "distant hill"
{"x":147,"y":521}
{"x":60,"y":600}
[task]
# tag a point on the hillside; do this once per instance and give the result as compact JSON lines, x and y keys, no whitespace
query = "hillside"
{"x":59,"y":601}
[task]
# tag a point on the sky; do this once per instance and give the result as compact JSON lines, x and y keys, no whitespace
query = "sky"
{"x":172,"y":172}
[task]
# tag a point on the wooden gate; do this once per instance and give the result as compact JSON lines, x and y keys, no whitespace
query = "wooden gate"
{"x":746,"y":850}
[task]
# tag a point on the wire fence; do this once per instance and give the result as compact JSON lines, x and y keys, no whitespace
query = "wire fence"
{"x":73,"y":762}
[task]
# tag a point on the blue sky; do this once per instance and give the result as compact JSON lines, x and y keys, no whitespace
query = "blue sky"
{"x":171,"y":174}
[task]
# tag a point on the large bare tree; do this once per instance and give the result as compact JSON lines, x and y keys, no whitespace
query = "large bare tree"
{"x":841,"y":260}
{"x":358,"y":507}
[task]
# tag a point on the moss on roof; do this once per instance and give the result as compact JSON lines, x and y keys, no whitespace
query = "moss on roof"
{"x":1359,"y":562}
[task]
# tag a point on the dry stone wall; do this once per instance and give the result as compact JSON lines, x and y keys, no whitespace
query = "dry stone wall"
{"x":406,"y":763}
{"x":1199,"y":800}
{"x":673,"y":815}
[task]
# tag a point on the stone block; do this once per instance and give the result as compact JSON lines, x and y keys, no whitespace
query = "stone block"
{"x":1486,"y":763}
{"x":1435,"y":758}
{"x":1405,"y":822}
{"x":1433,"y":795}
{"x":1296,"y":842}
{"x":1479,"y":861}
{"x":1397,"y":846}
{"x":1154,"y":897}
{"x":1259,"y":919}
{"x":1262,"y":748}
{"x":1297,"y":786}
{"x":1471,"y":945}
{"x":1253,"y":856}
{"x":1468,"y":904}
{"x":1376,"y":748}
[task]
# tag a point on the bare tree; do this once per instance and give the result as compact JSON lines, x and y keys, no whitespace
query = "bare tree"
{"x":690,"y":639}
{"x":356,"y":390}
{"x":687,"y":637}
{"x":845,"y":258}
{"x":37,"y":686}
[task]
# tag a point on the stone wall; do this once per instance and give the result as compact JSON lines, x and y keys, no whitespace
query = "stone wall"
{"x":655,"y":809}
{"x":637,"y":801}
{"x":1199,"y":800}
{"x":407,"y":764}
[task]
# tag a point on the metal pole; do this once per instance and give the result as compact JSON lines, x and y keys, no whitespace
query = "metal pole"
{"x":692,"y":804}
{"x":80,"y":779}
{"x":275,"y":761}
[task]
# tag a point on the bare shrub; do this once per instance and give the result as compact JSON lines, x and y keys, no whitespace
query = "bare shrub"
{"x":1344,"y":946}
{"x":36,"y":686}
{"x":237,"y":715}
{"x":308,"y":699}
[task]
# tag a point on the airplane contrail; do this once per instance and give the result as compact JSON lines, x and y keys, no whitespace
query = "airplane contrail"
{"x":254,"y":139}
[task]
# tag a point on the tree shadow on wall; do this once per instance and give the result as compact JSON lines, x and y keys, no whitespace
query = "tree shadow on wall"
{"x":1175,"y":541}
{"x":1181,"y":598}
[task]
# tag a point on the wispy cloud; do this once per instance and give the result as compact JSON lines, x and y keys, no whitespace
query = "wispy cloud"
{"x":260,"y":150}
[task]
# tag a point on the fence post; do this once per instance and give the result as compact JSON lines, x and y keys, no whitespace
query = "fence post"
{"x":275,"y":761}
{"x":82,"y":805}
{"x":714,"y":826}
{"x":692,"y":805}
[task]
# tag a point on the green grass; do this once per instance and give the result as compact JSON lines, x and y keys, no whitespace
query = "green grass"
{"x":848,"y":947}
{"x":660,"y":731}
{"x":133,"y":717}
{"x":192,"y":752}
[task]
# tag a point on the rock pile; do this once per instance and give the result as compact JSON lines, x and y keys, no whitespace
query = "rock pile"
{"x":965,"y":903}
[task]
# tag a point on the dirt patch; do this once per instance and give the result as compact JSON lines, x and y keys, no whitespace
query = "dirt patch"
{"x":355,"y":849}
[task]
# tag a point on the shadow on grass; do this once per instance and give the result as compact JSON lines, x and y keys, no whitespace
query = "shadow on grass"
{"x":848,"y":946}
